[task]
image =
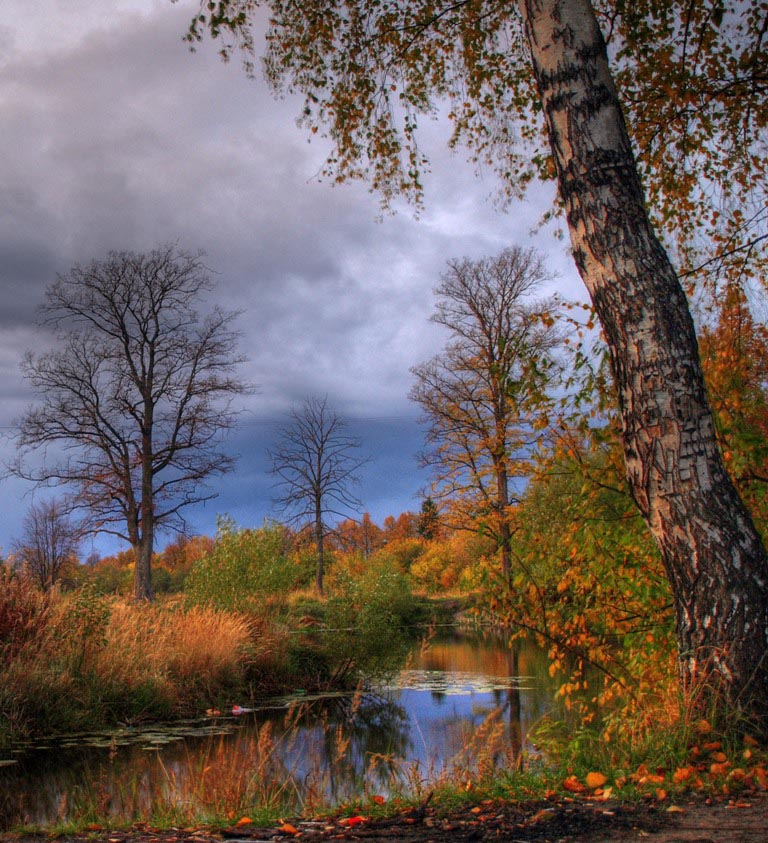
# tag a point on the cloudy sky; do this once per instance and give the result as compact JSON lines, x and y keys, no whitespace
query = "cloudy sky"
{"x":115,"y":136}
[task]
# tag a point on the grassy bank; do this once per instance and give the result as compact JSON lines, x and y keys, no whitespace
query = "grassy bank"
{"x":79,"y":660}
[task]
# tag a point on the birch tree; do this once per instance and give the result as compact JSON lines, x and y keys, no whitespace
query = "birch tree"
{"x":530,"y":87}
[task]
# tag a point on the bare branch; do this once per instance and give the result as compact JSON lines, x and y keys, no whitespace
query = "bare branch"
{"x":136,"y":398}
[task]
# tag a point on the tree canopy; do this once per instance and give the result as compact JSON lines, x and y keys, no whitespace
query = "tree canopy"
{"x":692,"y":77}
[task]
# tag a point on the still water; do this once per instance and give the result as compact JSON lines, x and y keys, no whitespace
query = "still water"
{"x":459,"y":706}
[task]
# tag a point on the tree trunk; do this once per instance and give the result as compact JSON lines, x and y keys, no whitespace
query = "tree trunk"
{"x":142,"y":574}
{"x":502,"y":504}
{"x":714,"y":558}
{"x":320,"y":541}
{"x":142,"y":580}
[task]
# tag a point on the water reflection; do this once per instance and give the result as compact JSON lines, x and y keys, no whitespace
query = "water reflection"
{"x":460,"y":706}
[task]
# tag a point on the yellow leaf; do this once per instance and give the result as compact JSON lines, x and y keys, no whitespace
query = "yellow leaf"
{"x":596,"y":780}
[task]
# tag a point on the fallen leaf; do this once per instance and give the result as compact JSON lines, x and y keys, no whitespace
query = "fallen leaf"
{"x":573,"y":785}
{"x":712,"y":745}
{"x":595,"y":780}
{"x":287,"y":828}
{"x":379,"y":800}
{"x":243,"y":821}
{"x":352,"y":821}
{"x":702,"y":727}
{"x":750,"y":741}
{"x":720,"y":757}
{"x":675,"y":809}
{"x":661,"y":794}
{"x":682,"y":774}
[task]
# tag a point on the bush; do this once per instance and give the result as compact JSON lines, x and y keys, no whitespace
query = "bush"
{"x":455,"y":563}
{"x":402,"y":553}
{"x":367,"y":620}
{"x":247,"y":570}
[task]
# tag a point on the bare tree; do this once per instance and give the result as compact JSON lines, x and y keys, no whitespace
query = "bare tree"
{"x":135,"y":397}
{"x":316,"y":466}
{"x":483,"y":396}
{"x":50,"y":541}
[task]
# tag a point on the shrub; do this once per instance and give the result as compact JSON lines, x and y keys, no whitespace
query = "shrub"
{"x":402,"y":553}
{"x":367,"y":619}
{"x":246,"y":570}
{"x":457,"y":562}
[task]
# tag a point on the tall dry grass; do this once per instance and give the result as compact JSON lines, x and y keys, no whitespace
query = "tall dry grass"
{"x":185,"y":654}
{"x":80,"y":660}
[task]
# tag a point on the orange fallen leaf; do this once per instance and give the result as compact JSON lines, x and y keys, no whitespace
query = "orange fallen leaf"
{"x":682,"y":774}
{"x":712,"y":745}
{"x":595,"y":780}
{"x":675,"y":809}
{"x":750,"y":741}
{"x":702,"y":727}
{"x":379,"y":800}
{"x":287,"y":828}
{"x":718,"y":769}
{"x":352,"y":821}
{"x":573,"y":785}
{"x":720,"y":757}
{"x":243,"y":821}
{"x":661,"y":794}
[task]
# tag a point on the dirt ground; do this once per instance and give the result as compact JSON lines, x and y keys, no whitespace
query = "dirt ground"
{"x":692,"y":821}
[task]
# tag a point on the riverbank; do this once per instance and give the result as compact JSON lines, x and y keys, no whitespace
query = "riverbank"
{"x":691,"y":820}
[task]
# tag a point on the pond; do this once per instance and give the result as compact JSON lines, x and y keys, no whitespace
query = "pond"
{"x":461,"y":704}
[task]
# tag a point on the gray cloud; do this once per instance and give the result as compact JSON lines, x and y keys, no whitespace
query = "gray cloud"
{"x":115,"y":136}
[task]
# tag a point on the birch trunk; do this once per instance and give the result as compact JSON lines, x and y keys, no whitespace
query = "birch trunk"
{"x":714,"y":558}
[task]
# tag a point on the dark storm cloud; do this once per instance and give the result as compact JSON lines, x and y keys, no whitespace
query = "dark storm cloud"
{"x":115,"y":136}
